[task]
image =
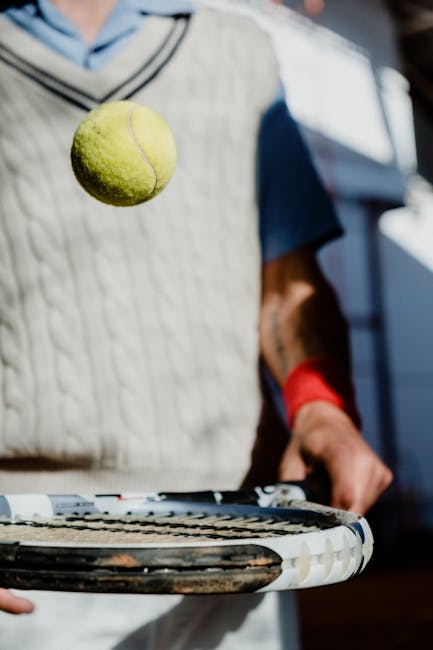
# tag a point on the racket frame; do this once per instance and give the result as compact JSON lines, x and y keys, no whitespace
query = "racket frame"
{"x":289,"y":561}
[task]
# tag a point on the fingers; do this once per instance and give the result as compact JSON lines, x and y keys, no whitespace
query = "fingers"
{"x":357,"y":485}
{"x":293,"y":466}
{"x":314,"y":7}
{"x":13,"y":604}
{"x":327,"y":437}
{"x":358,"y":477}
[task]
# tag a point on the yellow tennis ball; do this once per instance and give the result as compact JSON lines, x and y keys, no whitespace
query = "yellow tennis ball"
{"x":123,"y":153}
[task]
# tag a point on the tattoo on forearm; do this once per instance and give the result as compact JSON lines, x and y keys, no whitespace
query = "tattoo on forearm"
{"x":280,"y":349}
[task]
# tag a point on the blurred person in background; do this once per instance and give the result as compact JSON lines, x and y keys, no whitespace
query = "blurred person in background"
{"x":130,"y":340}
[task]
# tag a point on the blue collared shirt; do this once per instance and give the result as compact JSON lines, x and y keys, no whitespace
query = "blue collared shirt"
{"x":42,"y":19}
{"x":295,"y":210}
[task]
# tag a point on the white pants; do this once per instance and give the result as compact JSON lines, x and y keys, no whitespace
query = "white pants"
{"x":65,"y":621}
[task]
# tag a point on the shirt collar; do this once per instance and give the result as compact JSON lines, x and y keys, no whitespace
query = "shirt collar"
{"x":123,"y":18}
{"x":53,"y":17}
{"x":161,"y":7}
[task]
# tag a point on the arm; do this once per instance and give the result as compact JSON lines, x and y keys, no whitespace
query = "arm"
{"x":301,"y":319}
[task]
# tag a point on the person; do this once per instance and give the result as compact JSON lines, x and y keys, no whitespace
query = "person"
{"x":130,"y":338}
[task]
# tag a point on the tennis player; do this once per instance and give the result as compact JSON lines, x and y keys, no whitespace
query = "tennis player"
{"x":130,"y":338}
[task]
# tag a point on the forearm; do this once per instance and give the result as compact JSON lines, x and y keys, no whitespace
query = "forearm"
{"x":300,"y":316}
{"x":301,"y":320}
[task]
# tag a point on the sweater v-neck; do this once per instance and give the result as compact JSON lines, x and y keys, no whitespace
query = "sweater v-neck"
{"x":135,"y":65}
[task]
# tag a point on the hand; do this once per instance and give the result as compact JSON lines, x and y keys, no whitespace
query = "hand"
{"x":323,"y":435}
{"x":14,"y":604}
{"x":312,"y":7}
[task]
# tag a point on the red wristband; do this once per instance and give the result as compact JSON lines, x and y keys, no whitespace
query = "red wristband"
{"x":319,"y":379}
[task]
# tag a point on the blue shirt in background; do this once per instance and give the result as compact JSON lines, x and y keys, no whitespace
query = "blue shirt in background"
{"x":295,"y":210}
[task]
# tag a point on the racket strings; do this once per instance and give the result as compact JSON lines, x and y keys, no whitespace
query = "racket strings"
{"x":150,"y":528}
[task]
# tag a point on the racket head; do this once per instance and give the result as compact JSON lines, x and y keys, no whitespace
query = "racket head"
{"x":227,"y":542}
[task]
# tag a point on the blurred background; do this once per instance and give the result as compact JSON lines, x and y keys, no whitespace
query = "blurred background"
{"x":359,"y":80}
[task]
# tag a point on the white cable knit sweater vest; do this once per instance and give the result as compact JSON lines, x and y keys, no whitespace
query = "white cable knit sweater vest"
{"x":128,"y":337}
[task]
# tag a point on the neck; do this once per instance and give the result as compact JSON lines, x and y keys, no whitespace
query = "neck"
{"x":88,"y":16}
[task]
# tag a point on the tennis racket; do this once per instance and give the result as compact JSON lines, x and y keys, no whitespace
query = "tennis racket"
{"x":257,"y":539}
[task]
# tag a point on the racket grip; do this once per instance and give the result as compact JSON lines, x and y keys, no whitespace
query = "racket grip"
{"x":317,"y":486}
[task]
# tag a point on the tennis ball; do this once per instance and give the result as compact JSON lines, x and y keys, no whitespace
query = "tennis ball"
{"x":123,"y":153}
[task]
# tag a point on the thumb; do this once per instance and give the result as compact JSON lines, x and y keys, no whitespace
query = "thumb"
{"x":13,"y":604}
{"x":293,"y":466}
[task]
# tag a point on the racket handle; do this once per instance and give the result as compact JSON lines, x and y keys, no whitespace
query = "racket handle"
{"x":317,"y":486}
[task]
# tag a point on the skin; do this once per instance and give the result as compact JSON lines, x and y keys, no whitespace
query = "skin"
{"x":88,"y":16}
{"x":312,"y":7}
{"x":296,"y":298}
{"x":300,"y":319}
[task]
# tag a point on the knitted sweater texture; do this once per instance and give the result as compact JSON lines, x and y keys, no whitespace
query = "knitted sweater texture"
{"x":128,"y":337}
